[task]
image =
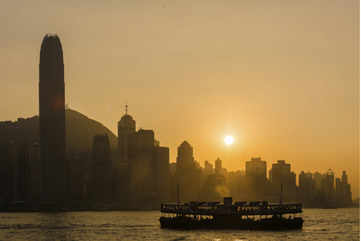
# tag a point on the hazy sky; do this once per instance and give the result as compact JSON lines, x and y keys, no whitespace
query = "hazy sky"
{"x":281,"y":76}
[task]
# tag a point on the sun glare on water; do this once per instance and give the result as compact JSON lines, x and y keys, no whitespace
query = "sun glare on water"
{"x":228,"y":140}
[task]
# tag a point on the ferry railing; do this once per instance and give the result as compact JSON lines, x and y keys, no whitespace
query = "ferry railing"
{"x":233,"y":210}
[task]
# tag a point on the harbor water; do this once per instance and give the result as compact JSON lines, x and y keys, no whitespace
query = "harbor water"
{"x":320,"y":224}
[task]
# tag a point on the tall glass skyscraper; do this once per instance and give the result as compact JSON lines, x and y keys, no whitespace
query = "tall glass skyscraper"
{"x":52,"y":121}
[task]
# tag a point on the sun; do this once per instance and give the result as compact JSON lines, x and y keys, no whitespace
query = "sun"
{"x":228,"y":140}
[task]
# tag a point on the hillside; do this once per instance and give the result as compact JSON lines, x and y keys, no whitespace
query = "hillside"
{"x":79,"y":131}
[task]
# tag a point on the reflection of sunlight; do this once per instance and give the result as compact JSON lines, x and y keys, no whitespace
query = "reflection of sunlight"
{"x":228,"y":140}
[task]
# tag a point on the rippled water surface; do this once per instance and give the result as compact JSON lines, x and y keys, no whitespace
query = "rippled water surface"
{"x":320,"y":224}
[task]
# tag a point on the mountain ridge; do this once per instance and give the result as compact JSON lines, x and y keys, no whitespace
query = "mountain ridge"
{"x":79,"y":128}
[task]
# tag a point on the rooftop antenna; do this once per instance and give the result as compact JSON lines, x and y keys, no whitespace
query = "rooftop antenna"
{"x":126,"y":109}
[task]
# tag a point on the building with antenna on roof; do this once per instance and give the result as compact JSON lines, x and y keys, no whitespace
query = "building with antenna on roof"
{"x":143,"y":166}
{"x":126,"y":128}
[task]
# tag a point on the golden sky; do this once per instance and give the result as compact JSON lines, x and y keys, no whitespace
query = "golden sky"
{"x":282,"y":76}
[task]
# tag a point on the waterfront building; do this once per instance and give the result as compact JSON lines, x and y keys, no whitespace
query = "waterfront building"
{"x":34,"y":180}
{"x":343,"y":191}
{"x":100,"y":187}
{"x":188,"y":173}
{"x":327,"y":184}
{"x":255,"y":180}
{"x":185,"y":157}
{"x":219,"y":170}
{"x":256,"y":169}
{"x":282,"y":179}
{"x":218,"y":166}
{"x":52,"y":122}
{"x":143,"y":166}
{"x":208,"y":168}
{"x":317,"y":177}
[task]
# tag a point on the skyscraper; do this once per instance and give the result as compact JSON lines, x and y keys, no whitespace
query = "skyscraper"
{"x":208,"y":168}
{"x":100,"y":186}
{"x":185,"y":159}
{"x":126,"y":128}
{"x":280,"y":173}
{"x":256,"y":178}
{"x":188,"y":173}
{"x":52,"y":121}
{"x":256,"y":169}
{"x":283,"y":179}
{"x":143,"y":167}
{"x":218,"y":166}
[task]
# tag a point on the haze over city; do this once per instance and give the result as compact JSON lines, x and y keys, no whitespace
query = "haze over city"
{"x":281,"y":78}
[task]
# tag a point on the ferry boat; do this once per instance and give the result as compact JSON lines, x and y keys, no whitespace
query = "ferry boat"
{"x":257,"y":215}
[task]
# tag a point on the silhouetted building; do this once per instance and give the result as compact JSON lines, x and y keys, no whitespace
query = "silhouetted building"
{"x":306,"y":182}
{"x":218,"y":166}
{"x":144,"y":166}
{"x":8,"y":172}
{"x":188,"y":173}
{"x":317,"y":177}
{"x":80,"y":173}
{"x":339,"y":190}
{"x":325,"y":193}
{"x":219,"y":170}
{"x":21,"y":173}
{"x":255,"y":179}
{"x":342,"y":195}
{"x":172,"y":168}
{"x":185,"y":157}
{"x":126,"y":128}
{"x":281,"y":175}
{"x":346,"y":190}
{"x":214,"y":188}
{"x":327,"y":184}
{"x":162,"y":174}
{"x":306,"y":189}
{"x":208,"y":168}
{"x":324,"y":190}
{"x":13,"y":170}
{"x":256,"y":169}
{"x":100,"y":187}
{"x":344,"y":177}
{"x":235,"y":183}
{"x":52,"y":121}
{"x":34,"y":180}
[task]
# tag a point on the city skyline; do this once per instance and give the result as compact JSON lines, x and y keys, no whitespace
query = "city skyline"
{"x":301,"y":107}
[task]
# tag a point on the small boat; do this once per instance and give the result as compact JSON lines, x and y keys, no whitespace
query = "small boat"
{"x":257,"y":215}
